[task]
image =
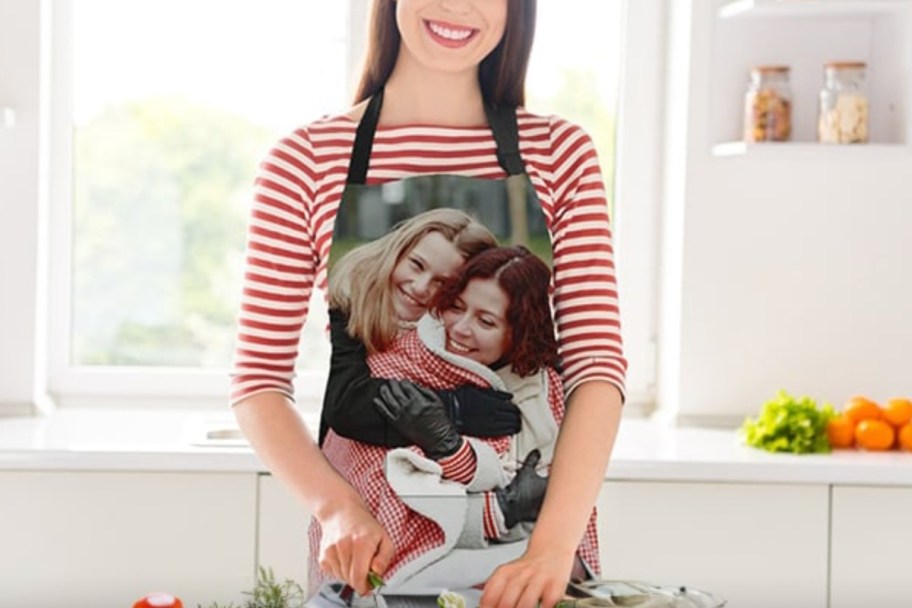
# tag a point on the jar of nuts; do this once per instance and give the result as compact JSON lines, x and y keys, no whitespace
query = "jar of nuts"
{"x":768,"y":105}
{"x":843,"y":116}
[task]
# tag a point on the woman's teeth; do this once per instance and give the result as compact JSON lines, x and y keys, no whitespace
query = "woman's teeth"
{"x":457,"y":347}
{"x":449,"y":33}
{"x":411,"y":300}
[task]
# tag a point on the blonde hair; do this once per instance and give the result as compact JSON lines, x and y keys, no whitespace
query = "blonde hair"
{"x":360,"y":282}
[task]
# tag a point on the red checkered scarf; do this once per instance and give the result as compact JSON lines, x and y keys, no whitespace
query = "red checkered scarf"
{"x":362,"y":465}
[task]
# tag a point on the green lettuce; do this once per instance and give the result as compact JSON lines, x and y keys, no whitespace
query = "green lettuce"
{"x":787,"y":424}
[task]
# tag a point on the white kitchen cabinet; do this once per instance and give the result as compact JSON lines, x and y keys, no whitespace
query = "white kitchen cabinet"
{"x":282,"y":532}
{"x":106,"y":538}
{"x":754,"y":545}
{"x":871,"y":537}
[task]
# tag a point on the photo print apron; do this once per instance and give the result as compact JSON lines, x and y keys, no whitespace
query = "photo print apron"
{"x":434,"y":523}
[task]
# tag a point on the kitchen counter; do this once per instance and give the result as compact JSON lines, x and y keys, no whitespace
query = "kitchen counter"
{"x":174,"y":441}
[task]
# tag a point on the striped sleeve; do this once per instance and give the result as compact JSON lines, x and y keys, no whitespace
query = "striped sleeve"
{"x":585,"y":288}
{"x":492,"y":518}
{"x":279,"y":271}
{"x":460,"y":467}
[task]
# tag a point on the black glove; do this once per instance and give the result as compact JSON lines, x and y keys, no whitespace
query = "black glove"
{"x":521,"y":499}
{"x":420,"y":415}
{"x":482,"y":412}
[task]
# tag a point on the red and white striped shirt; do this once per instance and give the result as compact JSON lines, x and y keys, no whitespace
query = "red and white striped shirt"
{"x":297,"y":194}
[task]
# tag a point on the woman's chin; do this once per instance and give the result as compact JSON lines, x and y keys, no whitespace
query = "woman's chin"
{"x":408,"y":314}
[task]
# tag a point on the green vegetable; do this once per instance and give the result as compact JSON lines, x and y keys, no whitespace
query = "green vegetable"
{"x":270,"y":594}
{"x":787,"y":424}
{"x":374,"y":579}
{"x":451,"y":599}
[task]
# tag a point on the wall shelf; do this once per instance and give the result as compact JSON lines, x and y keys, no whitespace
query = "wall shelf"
{"x":808,"y":149}
{"x":810,"y":8}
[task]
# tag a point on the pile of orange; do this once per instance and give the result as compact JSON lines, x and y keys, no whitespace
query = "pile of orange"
{"x":865,"y":424}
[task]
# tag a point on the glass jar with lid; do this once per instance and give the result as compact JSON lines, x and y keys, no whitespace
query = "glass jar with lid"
{"x":768,"y":104}
{"x":843,"y":115}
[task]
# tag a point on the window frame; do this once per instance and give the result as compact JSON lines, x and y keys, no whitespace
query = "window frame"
{"x":141,"y":386}
{"x":638,"y":154}
{"x":637,"y":150}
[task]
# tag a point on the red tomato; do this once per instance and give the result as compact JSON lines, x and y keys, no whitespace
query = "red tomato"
{"x":158,"y":600}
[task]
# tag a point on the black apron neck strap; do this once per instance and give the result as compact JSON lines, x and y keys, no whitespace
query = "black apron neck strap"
{"x":364,"y":140}
{"x":501,"y":119}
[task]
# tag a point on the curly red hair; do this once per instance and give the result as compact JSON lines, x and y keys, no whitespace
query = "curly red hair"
{"x":526,"y":280}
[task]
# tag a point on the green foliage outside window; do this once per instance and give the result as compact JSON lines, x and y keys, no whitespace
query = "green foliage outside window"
{"x":161,"y":192}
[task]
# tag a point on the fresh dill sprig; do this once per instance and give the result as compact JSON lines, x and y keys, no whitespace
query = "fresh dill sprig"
{"x":268,"y":593}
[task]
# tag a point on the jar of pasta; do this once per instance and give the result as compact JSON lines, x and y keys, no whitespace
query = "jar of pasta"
{"x":768,"y":105}
{"x":843,"y":116}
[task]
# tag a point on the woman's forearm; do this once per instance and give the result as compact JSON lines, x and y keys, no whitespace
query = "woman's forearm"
{"x":283,"y":443}
{"x":581,"y":456}
{"x":353,"y":541}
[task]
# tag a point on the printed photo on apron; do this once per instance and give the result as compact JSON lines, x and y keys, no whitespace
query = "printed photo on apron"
{"x":442,"y":283}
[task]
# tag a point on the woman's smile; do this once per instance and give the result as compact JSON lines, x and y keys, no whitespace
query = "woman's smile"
{"x":455,"y":347}
{"x":449,"y":35}
{"x":410,"y":301}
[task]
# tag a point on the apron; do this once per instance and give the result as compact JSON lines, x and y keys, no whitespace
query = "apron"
{"x":510,"y":209}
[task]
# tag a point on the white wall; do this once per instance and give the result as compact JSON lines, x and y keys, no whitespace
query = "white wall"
{"x":19,"y":196}
{"x":787,"y":269}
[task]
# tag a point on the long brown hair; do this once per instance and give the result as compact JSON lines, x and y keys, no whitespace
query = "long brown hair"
{"x":502,"y":74}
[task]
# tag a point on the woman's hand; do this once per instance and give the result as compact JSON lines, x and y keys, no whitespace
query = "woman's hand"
{"x":354,"y":543}
{"x":533,"y":579}
{"x":482,"y":412}
{"x":522,"y":498}
{"x":420,"y":415}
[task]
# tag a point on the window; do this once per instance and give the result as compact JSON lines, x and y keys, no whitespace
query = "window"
{"x":166,"y":133}
{"x":156,"y":141}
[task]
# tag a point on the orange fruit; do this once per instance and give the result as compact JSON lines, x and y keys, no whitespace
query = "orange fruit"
{"x":841,"y":432}
{"x":898,"y":411}
{"x":905,"y":437}
{"x":861,"y":408}
{"x":875,"y":435}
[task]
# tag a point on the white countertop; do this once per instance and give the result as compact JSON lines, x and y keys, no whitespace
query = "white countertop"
{"x":145,"y":440}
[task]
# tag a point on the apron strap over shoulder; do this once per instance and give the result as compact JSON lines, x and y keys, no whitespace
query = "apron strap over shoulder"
{"x":502,"y":120}
{"x":364,"y":140}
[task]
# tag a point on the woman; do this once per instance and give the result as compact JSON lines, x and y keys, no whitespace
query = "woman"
{"x":494,"y":322}
{"x":439,"y":94}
